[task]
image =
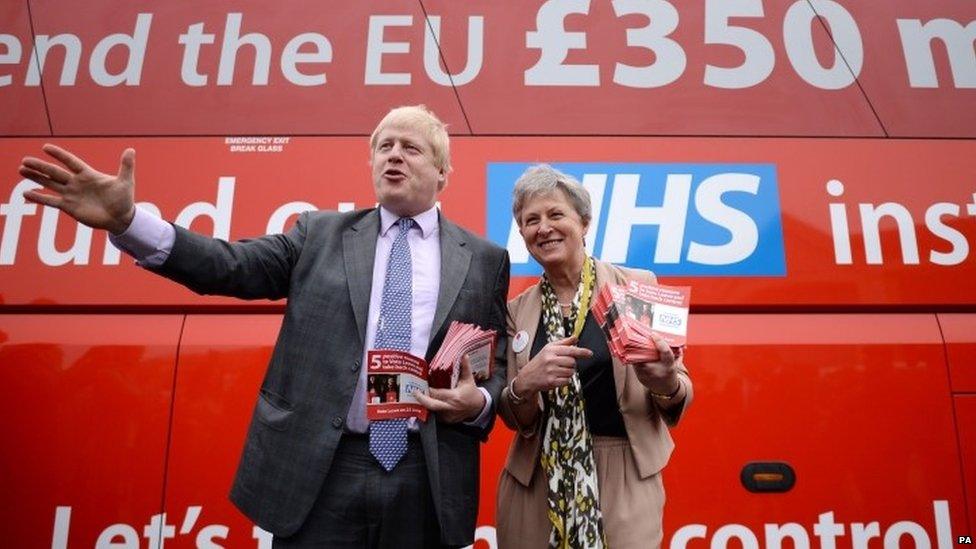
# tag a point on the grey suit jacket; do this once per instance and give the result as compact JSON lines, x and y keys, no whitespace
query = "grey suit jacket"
{"x":324,"y":267}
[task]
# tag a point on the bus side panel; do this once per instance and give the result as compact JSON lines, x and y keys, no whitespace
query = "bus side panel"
{"x":603,"y":100}
{"x":966,"y":422}
{"x":851,"y":402}
{"x":181,"y":91}
{"x":959,"y":331}
{"x":22,"y":106}
{"x":858,"y":405}
{"x":222,"y":362}
{"x":911,"y":71}
{"x":85,"y":420}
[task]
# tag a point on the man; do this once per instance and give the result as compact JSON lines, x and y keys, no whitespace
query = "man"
{"x":314,"y":471}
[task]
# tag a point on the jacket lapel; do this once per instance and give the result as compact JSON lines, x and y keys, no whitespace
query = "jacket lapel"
{"x":358,"y":252}
{"x":528,"y":319}
{"x":455,"y":260}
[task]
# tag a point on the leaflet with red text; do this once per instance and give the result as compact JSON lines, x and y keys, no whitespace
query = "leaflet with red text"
{"x":628,"y":315}
{"x":392,"y":378}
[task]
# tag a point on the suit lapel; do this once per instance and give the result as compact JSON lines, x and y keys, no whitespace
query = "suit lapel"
{"x":358,"y":252}
{"x":455,"y":260}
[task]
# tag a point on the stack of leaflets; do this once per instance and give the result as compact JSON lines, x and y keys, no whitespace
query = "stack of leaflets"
{"x":393,"y":377}
{"x":630,"y":313}
{"x":462,"y":339}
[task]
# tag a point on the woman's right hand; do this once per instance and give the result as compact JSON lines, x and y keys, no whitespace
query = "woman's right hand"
{"x":551,"y":367}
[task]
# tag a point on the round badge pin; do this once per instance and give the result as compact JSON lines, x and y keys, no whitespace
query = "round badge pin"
{"x":520,"y":341}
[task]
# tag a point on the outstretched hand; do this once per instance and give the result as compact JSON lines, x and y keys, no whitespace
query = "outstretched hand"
{"x":93,"y":198}
{"x":463,"y":402}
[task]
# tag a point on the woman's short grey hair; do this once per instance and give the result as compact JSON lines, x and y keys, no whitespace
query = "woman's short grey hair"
{"x":543,"y":179}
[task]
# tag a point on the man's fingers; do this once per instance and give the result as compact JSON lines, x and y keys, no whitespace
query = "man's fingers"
{"x":430,"y":403}
{"x":421,"y":398}
{"x":40,"y":179}
{"x":465,"y":371}
{"x":44,"y":199}
{"x":127,"y":165}
{"x":72,"y":162}
{"x":56,"y":173}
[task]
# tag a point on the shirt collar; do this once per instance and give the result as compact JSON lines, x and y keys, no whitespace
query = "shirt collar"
{"x":427,"y":221}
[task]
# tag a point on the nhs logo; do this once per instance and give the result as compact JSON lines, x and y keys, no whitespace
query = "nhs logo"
{"x":673,"y":219}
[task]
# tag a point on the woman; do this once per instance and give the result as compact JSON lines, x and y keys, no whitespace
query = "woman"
{"x":584,"y":469}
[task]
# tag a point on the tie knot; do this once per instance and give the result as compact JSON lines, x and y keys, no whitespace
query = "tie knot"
{"x":405,"y":223}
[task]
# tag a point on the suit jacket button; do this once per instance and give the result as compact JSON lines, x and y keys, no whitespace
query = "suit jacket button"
{"x":355,"y":366}
{"x":337,"y":422}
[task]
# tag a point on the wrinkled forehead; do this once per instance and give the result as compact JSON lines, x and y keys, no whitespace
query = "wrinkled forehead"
{"x":546,"y":198}
{"x":410,"y":120}
{"x":541,"y":201}
{"x":402,"y":132}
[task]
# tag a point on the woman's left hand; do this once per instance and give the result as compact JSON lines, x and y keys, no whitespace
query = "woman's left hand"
{"x":660,"y":376}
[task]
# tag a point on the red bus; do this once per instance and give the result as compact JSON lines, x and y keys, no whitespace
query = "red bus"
{"x":806,"y":166}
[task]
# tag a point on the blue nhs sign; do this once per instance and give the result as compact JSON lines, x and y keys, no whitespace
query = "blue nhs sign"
{"x":673,"y":219}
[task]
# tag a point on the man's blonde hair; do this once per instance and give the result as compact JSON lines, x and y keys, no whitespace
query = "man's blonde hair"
{"x":420,"y":118}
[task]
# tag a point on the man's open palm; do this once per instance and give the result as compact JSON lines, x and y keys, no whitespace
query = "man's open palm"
{"x":93,"y":198}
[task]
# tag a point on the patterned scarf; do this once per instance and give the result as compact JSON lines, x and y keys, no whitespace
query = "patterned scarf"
{"x":567,"y":448}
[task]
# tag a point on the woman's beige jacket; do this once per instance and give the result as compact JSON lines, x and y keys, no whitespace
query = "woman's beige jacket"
{"x":646,"y":422}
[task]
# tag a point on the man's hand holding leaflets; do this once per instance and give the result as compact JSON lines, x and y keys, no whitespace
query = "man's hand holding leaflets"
{"x":462,"y":341}
{"x":402,"y":385}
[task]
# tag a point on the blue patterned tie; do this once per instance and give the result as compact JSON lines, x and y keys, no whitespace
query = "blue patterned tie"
{"x":388,"y":438}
